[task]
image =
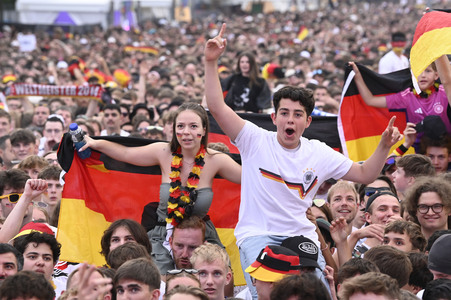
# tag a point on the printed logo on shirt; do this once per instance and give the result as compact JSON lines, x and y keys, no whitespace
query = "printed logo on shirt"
{"x":419,"y":111}
{"x":308,"y":176}
{"x":438,"y":108}
{"x":293,"y":185}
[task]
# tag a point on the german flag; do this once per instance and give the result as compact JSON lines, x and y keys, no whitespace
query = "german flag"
{"x":100,"y":190}
{"x":303,"y":33}
{"x":145,"y":49}
{"x":429,"y":41}
{"x":360,"y":126}
{"x":102,"y":77}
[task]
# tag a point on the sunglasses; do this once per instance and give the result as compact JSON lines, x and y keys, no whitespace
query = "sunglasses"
{"x":12,"y":198}
{"x":390,"y":161}
{"x":319,"y":202}
{"x":178,"y":271}
{"x":369,"y":191}
{"x":41,"y":204}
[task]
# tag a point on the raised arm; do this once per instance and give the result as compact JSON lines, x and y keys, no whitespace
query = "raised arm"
{"x":33,"y":188}
{"x":366,"y":94}
{"x":141,"y":156}
{"x":371,"y":168}
{"x":444,"y":72}
{"x":229,"y":121}
{"x":228,"y":168}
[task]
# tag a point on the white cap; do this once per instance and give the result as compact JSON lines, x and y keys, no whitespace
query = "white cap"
{"x":305,"y":53}
{"x":290,"y":72}
{"x":62,"y":64}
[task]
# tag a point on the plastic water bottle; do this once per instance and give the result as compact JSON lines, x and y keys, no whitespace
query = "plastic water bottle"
{"x":78,"y":139}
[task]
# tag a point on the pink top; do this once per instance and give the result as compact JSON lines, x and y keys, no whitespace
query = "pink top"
{"x":418,"y":108}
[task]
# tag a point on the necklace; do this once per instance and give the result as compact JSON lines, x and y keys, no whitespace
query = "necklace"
{"x":181,"y":203}
{"x":426,"y":93}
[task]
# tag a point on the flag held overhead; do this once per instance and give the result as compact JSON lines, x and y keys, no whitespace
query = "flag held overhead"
{"x":430,"y":40}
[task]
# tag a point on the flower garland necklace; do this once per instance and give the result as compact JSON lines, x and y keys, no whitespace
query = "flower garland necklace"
{"x":181,"y":203}
{"x":425,"y":94}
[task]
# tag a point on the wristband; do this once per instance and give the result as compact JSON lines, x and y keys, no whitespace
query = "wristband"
{"x":400,"y":150}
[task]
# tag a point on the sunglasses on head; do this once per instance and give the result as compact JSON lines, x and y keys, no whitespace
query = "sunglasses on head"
{"x":319,"y":202}
{"x":13,"y":197}
{"x":178,"y":271}
{"x":371,"y":190}
{"x":41,"y":204}
{"x":390,"y":161}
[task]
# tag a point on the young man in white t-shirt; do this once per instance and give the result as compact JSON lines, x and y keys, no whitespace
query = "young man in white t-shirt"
{"x":281,"y":170}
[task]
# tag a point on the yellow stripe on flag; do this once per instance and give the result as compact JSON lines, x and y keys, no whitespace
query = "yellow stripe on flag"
{"x":430,"y":46}
{"x":229,"y":241}
{"x":81,"y":223}
{"x":303,"y":34}
{"x":361,"y":149}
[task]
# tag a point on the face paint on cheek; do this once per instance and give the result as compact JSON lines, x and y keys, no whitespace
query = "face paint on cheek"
{"x":199,"y":135}
{"x":179,"y":134}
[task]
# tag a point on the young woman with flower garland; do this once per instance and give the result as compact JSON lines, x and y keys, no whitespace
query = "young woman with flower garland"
{"x":187,"y":169}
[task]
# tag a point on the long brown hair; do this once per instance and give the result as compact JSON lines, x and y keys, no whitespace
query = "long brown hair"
{"x":253,"y":68}
{"x":201,"y":112}
{"x":136,"y":230}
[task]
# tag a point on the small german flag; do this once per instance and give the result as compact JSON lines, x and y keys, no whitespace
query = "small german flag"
{"x":303,"y":33}
{"x":145,"y":49}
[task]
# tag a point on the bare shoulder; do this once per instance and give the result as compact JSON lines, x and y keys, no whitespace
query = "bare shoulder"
{"x":218,"y":157}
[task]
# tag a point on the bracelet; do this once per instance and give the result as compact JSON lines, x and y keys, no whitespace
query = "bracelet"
{"x":400,"y":150}
{"x":325,"y":248}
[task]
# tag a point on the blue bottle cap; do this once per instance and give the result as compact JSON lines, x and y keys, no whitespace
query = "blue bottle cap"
{"x":73,"y":126}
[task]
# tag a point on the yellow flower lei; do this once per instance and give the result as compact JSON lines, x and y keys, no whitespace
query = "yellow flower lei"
{"x":181,"y":203}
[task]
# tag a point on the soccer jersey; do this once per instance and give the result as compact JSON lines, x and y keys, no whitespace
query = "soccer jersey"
{"x":278,"y":184}
{"x":417,"y":108}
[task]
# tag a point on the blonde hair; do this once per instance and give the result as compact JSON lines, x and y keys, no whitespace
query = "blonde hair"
{"x":209,"y":253}
{"x":345,"y":185}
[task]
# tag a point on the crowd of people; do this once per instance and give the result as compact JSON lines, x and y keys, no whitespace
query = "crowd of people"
{"x":308,"y":228}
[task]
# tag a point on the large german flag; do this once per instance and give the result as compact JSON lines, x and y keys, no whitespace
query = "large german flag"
{"x":360,"y":126}
{"x":100,"y":190}
{"x":431,"y":40}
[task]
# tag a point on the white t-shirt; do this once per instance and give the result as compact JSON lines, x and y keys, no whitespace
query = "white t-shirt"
{"x":278,"y":184}
{"x":391,"y":62}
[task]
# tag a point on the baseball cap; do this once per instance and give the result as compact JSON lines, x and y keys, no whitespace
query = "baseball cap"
{"x":305,"y":248}
{"x":438,"y":258}
{"x":432,"y":126}
{"x":273,"y":263}
{"x":222,"y":69}
{"x":324,"y":227}
{"x":290,"y":72}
